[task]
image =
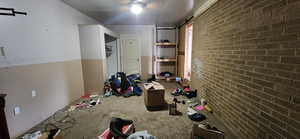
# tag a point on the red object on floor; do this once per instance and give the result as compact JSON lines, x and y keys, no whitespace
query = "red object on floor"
{"x":186,"y":89}
{"x":86,"y":96}
{"x":128,"y":129}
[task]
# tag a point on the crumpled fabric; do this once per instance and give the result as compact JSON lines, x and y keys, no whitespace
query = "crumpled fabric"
{"x":141,"y":135}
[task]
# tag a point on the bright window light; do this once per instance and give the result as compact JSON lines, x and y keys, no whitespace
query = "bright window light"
{"x":136,"y":9}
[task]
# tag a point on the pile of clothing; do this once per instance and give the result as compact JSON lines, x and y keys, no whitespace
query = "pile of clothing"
{"x":195,"y":116}
{"x":122,"y":85}
{"x":185,"y":92}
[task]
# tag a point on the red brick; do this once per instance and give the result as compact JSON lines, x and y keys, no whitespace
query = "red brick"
{"x":290,"y":60}
{"x":286,"y":52}
{"x":281,"y":66}
{"x":268,"y":58}
{"x":250,"y":51}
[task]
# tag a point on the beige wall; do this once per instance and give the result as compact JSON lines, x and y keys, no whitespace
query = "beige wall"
{"x":93,"y":75}
{"x":146,"y":64}
{"x":56,"y":84}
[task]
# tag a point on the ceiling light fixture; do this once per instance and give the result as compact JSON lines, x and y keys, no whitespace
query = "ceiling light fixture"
{"x":136,"y":8}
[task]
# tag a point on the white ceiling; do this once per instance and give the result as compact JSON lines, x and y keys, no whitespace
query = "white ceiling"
{"x":116,"y":12}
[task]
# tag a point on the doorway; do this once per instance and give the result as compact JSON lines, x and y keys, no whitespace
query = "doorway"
{"x":112,"y":55}
{"x":188,"y":51}
{"x":130,"y":54}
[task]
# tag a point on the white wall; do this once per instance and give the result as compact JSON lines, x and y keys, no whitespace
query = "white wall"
{"x":145,"y":32}
{"x":146,"y":36}
{"x":49,"y":32}
{"x":91,"y":42}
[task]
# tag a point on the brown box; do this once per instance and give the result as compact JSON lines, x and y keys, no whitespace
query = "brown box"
{"x":154,"y":95}
{"x":185,"y":83}
{"x":206,"y":133}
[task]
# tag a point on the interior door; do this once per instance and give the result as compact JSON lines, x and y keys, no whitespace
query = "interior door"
{"x":131,"y":55}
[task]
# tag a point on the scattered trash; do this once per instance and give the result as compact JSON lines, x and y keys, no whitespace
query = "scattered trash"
{"x":85,"y":96}
{"x":185,"y":83}
{"x":195,"y":116}
{"x":141,"y":135}
{"x":208,"y":108}
{"x":86,"y":102}
{"x":186,"y":92}
{"x":205,"y":131}
{"x":177,"y":101}
{"x":203,"y":101}
{"x":93,"y":96}
{"x":178,"y":79}
{"x":191,"y":94}
{"x":54,"y":133}
{"x":72,"y":108}
{"x":35,"y":135}
{"x":186,"y":89}
{"x":200,"y":107}
{"x":166,"y":74}
{"x":119,"y":128}
{"x":177,"y":92}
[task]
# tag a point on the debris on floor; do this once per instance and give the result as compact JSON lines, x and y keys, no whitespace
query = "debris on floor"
{"x":195,"y":116}
{"x":205,"y":131}
{"x":152,"y":78}
{"x":141,"y":135}
{"x":166,"y":74}
{"x":35,"y":135}
{"x":122,"y":85}
{"x":80,"y":120}
{"x":189,"y":93}
{"x":86,"y":101}
{"x":54,"y":133}
{"x":118,"y":128}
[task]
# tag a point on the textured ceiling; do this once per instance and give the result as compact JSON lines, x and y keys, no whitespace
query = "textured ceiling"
{"x":116,"y":12}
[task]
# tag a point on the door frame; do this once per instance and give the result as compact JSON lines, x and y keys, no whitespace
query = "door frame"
{"x":124,"y":37}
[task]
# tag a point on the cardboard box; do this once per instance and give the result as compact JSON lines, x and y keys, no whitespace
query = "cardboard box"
{"x":154,"y":95}
{"x":206,"y":133}
{"x":185,"y":83}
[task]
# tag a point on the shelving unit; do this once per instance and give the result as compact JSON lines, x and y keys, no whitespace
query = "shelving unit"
{"x":165,"y":52}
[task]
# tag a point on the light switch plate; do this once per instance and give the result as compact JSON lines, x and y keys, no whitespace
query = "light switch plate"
{"x":17,"y":111}
{"x":33,"y":93}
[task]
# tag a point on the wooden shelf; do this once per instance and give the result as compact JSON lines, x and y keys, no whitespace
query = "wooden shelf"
{"x":166,"y":60}
{"x":163,"y":59}
{"x":166,"y":44}
{"x":164,"y":78}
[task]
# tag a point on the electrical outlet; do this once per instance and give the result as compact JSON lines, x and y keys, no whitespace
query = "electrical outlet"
{"x":33,"y":93}
{"x":17,"y":111}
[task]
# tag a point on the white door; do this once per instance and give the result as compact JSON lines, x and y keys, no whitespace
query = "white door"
{"x":130,"y":55}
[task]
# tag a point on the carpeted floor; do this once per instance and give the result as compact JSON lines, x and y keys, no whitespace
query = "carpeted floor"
{"x":90,"y":123}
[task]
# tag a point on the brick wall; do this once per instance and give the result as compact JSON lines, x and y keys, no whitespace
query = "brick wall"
{"x":246,"y":63}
